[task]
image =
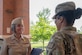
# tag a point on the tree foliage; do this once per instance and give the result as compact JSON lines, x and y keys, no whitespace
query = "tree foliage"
{"x":42,"y":30}
{"x":80,"y":31}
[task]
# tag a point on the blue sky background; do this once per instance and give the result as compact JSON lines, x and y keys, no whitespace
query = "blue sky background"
{"x":38,"y":5}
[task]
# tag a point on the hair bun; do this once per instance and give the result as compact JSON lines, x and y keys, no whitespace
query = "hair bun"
{"x":78,"y":13}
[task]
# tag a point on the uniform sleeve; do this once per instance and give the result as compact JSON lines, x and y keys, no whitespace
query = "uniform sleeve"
{"x":55,"y":46}
{"x":59,"y":46}
{"x":4,"y":48}
{"x":78,"y":44}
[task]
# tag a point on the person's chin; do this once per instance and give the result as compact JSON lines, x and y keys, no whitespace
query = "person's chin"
{"x":20,"y":32}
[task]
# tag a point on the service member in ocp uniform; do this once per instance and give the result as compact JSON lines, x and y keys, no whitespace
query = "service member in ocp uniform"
{"x":66,"y":41}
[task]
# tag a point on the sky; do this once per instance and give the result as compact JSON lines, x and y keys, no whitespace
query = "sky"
{"x":37,"y":5}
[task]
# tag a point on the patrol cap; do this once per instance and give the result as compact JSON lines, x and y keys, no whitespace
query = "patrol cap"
{"x":65,"y":7}
{"x":18,"y":20}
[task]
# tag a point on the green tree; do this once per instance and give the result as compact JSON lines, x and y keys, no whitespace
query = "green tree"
{"x":80,"y":31}
{"x":42,"y":30}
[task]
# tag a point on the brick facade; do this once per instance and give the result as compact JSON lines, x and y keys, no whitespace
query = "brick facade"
{"x":9,"y":9}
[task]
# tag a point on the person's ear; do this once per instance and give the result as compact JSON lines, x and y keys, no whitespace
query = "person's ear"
{"x":61,"y":19}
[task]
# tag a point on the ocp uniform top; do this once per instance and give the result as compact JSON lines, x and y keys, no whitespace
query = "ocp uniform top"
{"x":65,"y":42}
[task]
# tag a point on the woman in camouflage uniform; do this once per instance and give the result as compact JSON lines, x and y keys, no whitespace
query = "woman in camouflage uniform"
{"x":66,"y":41}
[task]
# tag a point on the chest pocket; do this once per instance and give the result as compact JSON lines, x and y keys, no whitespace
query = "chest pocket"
{"x":13,"y":45}
{"x":13,"y":48}
{"x":25,"y":45}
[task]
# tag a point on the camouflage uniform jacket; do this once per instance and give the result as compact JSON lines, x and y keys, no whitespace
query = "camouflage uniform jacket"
{"x":65,"y":42}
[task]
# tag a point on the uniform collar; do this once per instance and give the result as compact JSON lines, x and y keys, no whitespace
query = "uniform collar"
{"x":68,"y":28}
{"x":14,"y":38}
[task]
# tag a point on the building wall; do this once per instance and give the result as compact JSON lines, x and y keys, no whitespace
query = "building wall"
{"x":8,"y":15}
{"x":11,"y":9}
{"x":1,"y":16}
{"x":22,"y":9}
